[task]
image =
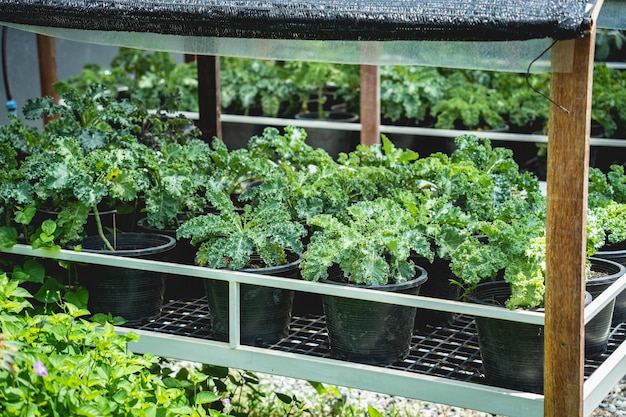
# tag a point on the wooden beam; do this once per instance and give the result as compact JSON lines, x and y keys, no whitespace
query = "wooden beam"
{"x":370,"y":105}
{"x":46,"y":55}
{"x":567,"y":177}
{"x":209,"y":102}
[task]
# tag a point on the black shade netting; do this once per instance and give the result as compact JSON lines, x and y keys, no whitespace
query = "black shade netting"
{"x":373,"y":20}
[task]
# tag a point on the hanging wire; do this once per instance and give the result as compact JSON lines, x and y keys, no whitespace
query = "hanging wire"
{"x":535,"y":89}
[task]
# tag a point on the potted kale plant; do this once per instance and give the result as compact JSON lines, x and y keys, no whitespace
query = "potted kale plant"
{"x":260,"y":238}
{"x":96,"y":159}
{"x":314,"y":82}
{"x":370,"y":247}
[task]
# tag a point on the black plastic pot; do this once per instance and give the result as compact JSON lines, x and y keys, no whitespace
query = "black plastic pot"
{"x":178,"y":287}
{"x":265,"y":311}
{"x":616,"y":253}
{"x":438,"y":285}
{"x":132,"y":294}
{"x":371,"y":332}
{"x":237,"y":135}
{"x":598,"y":328}
{"x":332,"y":141}
{"x":512,"y":352}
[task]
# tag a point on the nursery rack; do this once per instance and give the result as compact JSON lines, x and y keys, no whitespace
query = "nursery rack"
{"x":441,"y":361}
{"x":371,"y":32}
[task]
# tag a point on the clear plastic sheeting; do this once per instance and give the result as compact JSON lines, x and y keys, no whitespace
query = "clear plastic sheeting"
{"x":363,"y":20}
{"x":513,"y":56}
{"x":613,"y":15}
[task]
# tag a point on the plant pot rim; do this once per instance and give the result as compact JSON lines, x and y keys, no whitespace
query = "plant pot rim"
{"x":155,"y":243}
{"x":420,"y":277}
{"x":611,"y":250}
{"x":270,"y":270}
{"x":56,"y":211}
{"x":612,"y":277}
{"x":339,"y":116}
{"x":473,"y":298}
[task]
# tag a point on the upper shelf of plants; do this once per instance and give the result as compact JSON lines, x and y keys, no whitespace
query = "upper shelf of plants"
{"x":371,"y":31}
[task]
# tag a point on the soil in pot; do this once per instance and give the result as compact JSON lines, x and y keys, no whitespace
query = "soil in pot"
{"x":616,"y":253}
{"x":370,"y":332}
{"x":132,"y":294}
{"x":265,"y":311}
{"x":512,"y":352}
{"x":177,"y":287}
{"x":331,"y":140}
{"x":598,"y":328}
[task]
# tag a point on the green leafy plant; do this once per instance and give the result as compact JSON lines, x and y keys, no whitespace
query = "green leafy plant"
{"x":99,"y":153}
{"x":470,"y":106}
{"x":526,"y":109}
{"x":372,"y":247}
{"x":609,"y":44}
{"x":407,"y":93}
{"x":606,"y":222}
{"x":151,"y":78}
{"x":62,"y":364}
{"x":313,"y":79}
{"x":607,"y":102}
{"x":253,"y":87}
{"x":229,"y":238}
{"x":178,"y":188}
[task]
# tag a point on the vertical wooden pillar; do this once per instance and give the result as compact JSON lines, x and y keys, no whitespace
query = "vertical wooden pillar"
{"x":46,"y":55}
{"x":370,"y":105}
{"x":567,"y":176}
{"x":209,"y":96}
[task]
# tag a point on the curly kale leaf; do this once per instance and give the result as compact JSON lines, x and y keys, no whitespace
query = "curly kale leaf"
{"x":373,"y":246}
{"x":289,"y":148}
{"x":617,"y":179}
{"x":230,"y":238}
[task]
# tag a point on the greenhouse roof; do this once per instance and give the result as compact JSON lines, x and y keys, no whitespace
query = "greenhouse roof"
{"x":377,"y":20}
{"x":347,"y":31}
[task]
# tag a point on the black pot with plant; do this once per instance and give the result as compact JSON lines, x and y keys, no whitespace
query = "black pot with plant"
{"x":262,"y":237}
{"x":512,"y":352}
{"x":370,"y":247}
{"x":134,"y":295}
{"x":603,"y":273}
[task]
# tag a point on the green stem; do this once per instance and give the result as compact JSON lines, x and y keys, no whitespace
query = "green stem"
{"x":320,"y":102}
{"x":100,"y":231}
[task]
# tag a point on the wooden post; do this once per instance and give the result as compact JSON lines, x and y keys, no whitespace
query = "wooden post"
{"x":567,"y":177}
{"x":370,"y":105}
{"x":46,"y":55}
{"x":209,"y":96}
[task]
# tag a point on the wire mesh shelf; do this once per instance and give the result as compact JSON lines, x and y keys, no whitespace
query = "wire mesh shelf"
{"x":450,"y":352}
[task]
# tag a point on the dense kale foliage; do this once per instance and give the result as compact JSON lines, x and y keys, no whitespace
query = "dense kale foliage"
{"x":368,"y":214}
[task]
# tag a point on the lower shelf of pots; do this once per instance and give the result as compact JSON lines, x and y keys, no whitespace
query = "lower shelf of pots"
{"x":444,"y":363}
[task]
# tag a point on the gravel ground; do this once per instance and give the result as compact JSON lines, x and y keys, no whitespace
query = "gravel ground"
{"x":614,"y":405}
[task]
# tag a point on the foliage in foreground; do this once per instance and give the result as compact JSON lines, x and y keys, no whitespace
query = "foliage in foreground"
{"x":60,"y":364}
{"x":56,"y":362}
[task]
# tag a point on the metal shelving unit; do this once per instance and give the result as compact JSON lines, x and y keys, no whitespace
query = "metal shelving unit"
{"x":435,"y":372}
{"x":441,"y":360}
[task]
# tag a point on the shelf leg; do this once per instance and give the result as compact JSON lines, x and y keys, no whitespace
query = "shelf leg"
{"x":46,"y":55}
{"x":370,"y":105}
{"x":568,"y":161}
{"x":209,"y":102}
